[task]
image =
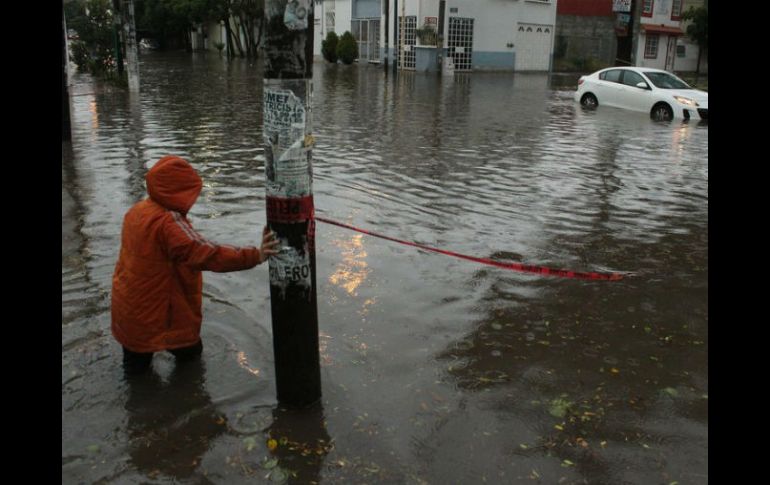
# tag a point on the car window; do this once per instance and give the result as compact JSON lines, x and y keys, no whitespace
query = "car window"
{"x":664,"y":80}
{"x":630,"y":78}
{"x":613,"y":75}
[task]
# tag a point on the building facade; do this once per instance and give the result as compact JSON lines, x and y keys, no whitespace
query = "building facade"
{"x":586,"y":38}
{"x":658,"y":34}
{"x":686,"y":49}
{"x":501,"y":35}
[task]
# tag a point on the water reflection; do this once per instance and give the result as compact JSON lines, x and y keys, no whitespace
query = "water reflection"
{"x":301,"y":443}
{"x":352,"y":270}
{"x":171,"y":425}
{"x":435,"y":369}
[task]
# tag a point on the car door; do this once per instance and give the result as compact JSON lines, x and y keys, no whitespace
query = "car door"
{"x":608,"y":86}
{"x":632,"y":97}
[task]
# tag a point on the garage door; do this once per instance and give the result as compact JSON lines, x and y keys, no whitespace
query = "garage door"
{"x":533,"y":47}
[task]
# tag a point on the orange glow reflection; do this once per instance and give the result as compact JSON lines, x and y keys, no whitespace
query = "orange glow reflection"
{"x":352,"y":270}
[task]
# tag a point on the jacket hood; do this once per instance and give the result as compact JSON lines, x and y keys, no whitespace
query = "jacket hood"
{"x":174,"y":184}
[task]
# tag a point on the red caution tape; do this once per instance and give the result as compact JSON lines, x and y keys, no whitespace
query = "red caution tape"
{"x":525,"y":268}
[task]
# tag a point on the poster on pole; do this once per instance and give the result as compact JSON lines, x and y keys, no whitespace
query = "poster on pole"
{"x":287,"y":164}
{"x":621,"y":5}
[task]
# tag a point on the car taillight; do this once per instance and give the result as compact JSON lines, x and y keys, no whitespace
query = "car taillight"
{"x":580,"y":81}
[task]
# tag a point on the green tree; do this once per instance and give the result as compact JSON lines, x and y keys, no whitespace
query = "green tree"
{"x":250,"y":15}
{"x":170,"y":21}
{"x":94,"y":50}
{"x":329,"y":47}
{"x":347,"y":49}
{"x":698,"y":29}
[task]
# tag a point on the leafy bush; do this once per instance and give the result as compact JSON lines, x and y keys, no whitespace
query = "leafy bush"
{"x":347,"y":49}
{"x":94,"y":51}
{"x":427,"y":35}
{"x":329,"y":47}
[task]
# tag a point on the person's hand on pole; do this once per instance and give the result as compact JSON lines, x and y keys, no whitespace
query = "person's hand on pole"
{"x":269,"y":244}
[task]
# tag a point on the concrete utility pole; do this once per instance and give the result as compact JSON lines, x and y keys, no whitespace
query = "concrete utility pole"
{"x":386,"y":9}
{"x":288,"y":142}
{"x":132,"y":56}
{"x":116,"y":23}
{"x":402,"y":40}
{"x":66,"y":125}
{"x":395,"y":34}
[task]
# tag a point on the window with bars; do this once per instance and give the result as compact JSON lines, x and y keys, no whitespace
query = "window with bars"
{"x":409,"y":27}
{"x":647,"y":8}
{"x":651,"y":46}
{"x":460,"y":42}
{"x":676,"y":9}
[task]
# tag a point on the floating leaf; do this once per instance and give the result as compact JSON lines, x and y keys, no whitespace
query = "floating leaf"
{"x":272,"y":444}
{"x":249,"y":443}
{"x":559,"y":427}
{"x":269,"y":464}
{"x":93,"y":448}
{"x":279,"y":475}
{"x":671,"y":391}
{"x":497,"y":326}
{"x":567,"y":463}
{"x":559,"y":408}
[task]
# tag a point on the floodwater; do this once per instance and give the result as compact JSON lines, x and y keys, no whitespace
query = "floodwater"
{"x":434,"y":369}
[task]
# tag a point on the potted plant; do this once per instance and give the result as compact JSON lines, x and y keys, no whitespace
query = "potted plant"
{"x":426,"y":34}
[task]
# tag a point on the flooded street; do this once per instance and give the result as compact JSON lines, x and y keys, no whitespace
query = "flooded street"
{"x":434,"y":369}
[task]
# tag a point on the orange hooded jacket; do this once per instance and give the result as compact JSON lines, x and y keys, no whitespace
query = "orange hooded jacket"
{"x":157,"y":285}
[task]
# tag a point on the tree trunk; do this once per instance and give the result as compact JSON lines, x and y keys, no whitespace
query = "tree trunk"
{"x":228,"y":35}
{"x":246,"y":35}
{"x":236,"y":39}
{"x":259,"y":36}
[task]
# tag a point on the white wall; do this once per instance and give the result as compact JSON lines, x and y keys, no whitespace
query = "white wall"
{"x":661,"y":13}
{"x":494,"y":22}
{"x":344,"y":12}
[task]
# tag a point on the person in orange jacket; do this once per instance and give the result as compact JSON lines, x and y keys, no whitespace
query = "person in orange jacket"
{"x":157,"y":285}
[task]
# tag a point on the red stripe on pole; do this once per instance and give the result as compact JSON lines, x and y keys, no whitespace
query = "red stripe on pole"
{"x":289,"y":210}
{"x":525,"y":268}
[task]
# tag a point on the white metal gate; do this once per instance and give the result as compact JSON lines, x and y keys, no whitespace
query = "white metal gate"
{"x":367,"y":34}
{"x":409,"y":42}
{"x":460,"y":42}
{"x":533,"y":47}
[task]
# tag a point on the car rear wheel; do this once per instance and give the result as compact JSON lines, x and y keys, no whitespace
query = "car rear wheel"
{"x":662,"y":112}
{"x":589,"y":101}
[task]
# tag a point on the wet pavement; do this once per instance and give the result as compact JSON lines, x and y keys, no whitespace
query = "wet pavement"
{"x":434,"y":369}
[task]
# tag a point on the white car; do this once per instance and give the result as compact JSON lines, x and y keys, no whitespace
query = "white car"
{"x":654,"y":91}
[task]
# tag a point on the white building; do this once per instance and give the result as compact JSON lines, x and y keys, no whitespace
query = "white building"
{"x":508,"y":35}
{"x":659,"y":30}
{"x":330,"y":16}
{"x":503,"y":35}
{"x":477,"y":34}
{"x":686,"y":49}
